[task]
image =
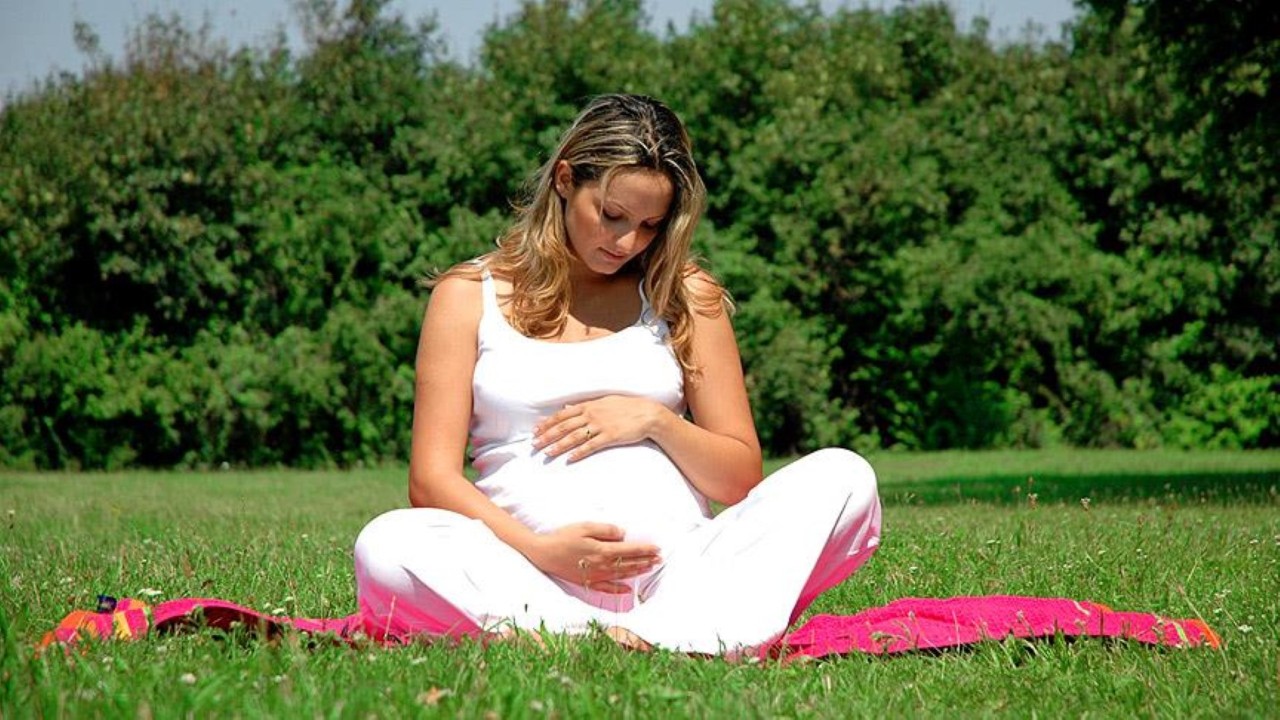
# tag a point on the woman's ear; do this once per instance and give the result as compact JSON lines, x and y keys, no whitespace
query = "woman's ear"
{"x":563,"y":178}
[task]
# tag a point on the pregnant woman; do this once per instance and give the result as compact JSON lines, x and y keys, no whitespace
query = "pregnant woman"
{"x":591,"y":367}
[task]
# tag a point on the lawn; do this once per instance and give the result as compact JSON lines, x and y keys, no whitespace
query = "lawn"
{"x":1182,"y":534}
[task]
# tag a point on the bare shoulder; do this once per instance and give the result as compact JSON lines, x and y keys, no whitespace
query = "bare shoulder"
{"x":456,"y":293}
{"x":472,"y":270}
{"x":450,"y":327}
{"x":707,"y":297}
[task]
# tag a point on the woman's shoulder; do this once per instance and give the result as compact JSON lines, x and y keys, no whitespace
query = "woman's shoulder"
{"x":698,"y":279}
{"x":458,"y":289}
{"x":468,"y":271}
{"x":468,"y":276}
{"x":706,"y":295}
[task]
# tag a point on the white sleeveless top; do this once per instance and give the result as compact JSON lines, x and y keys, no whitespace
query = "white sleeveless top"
{"x":519,"y":380}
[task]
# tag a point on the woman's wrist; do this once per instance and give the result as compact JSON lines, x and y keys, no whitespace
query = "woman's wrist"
{"x":519,"y":536}
{"x":530,"y":546}
{"x":661,"y":423}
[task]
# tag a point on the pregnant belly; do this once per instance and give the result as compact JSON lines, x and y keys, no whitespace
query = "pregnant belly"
{"x":635,"y":487}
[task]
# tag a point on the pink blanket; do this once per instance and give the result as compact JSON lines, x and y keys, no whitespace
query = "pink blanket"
{"x":906,"y":625}
{"x":912,"y":624}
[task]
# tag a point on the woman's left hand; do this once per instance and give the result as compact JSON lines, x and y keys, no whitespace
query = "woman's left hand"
{"x":583,"y":428}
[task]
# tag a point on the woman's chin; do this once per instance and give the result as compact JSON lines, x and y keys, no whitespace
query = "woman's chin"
{"x":601,"y":263}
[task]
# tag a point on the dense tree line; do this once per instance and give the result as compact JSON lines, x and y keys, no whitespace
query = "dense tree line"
{"x":212,"y":254}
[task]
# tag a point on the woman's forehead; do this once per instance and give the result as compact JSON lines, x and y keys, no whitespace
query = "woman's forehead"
{"x":642,"y":191}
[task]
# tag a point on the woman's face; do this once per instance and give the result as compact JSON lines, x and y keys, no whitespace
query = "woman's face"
{"x":606,"y":231}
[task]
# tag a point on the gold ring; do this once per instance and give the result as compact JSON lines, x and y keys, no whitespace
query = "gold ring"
{"x":588,"y":429}
{"x":582,"y":564}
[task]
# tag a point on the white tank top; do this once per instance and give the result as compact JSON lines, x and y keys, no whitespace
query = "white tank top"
{"x":519,"y":380}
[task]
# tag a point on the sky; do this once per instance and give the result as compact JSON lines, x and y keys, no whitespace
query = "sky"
{"x":36,"y":35}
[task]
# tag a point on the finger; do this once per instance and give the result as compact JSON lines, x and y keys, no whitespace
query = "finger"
{"x":564,"y":435}
{"x":611,"y":567}
{"x":608,"y":586}
{"x":547,"y":423}
{"x":603,"y":531}
{"x":631,"y":568}
{"x":629,"y":549}
{"x":590,"y":443}
{"x":557,"y":417}
{"x":546,"y":435}
{"x":575,"y":437}
{"x":563,"y":428}
{"x":602,"y":575}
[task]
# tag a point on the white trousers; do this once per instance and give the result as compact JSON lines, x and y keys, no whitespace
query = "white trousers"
{"x":734,"y":583}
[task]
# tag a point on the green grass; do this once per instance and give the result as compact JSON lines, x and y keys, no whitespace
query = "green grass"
{"x":1187,"y":535}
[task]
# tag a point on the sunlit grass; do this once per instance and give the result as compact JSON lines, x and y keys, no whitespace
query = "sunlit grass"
{"x":1171,"y":541}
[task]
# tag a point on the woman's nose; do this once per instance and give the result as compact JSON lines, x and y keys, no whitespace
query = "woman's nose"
{"x":628,"y":240}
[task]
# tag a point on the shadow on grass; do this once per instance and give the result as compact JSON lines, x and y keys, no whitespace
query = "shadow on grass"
{"x":1251,"y":488}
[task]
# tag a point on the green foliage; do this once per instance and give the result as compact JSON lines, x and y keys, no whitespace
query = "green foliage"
{"x":212,"y":255}
{"x":1227,"y":411}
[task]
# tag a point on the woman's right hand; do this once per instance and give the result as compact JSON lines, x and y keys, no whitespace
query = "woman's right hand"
{"x":594,"y":555}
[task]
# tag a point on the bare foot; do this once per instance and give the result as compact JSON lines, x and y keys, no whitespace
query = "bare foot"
{"x":627,"y":639}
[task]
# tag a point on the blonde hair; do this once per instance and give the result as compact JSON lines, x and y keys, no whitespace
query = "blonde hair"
{"x":613,"y":133}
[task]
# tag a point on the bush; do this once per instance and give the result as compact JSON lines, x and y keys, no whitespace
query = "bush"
{"x":212,"y":255}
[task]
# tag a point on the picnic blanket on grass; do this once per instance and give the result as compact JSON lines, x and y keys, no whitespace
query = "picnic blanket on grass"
{"x":902,"y":626}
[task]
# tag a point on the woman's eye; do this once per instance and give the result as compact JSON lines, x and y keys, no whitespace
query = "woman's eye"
{"x":612,"y":216}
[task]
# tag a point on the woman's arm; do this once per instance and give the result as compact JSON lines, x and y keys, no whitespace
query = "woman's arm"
{"x":588,"y":553}
{"x":442,"y":410}
{"x":718,"y":452}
